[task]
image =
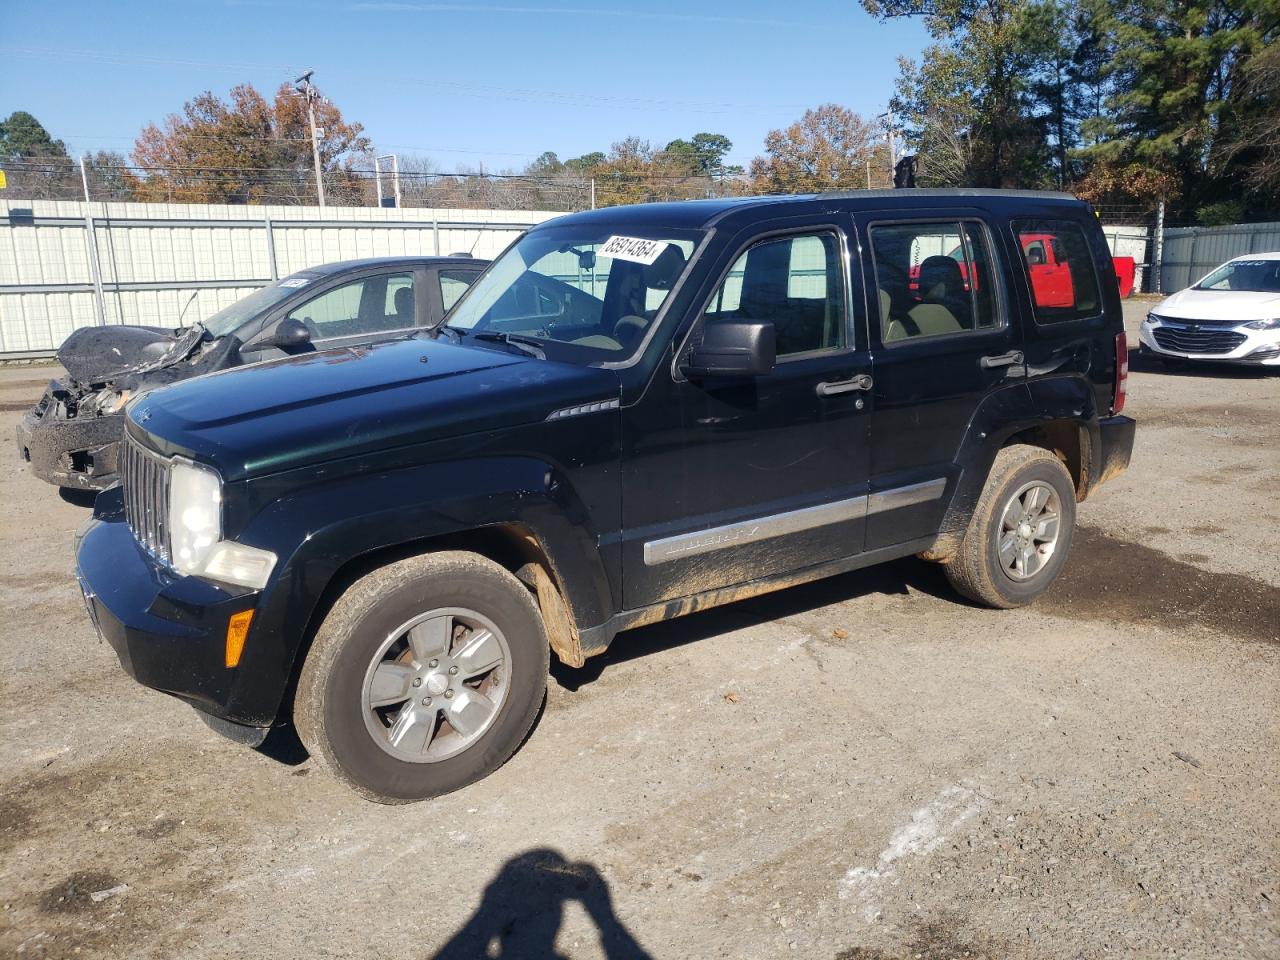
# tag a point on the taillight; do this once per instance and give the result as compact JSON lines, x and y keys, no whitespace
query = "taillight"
{"x":1122,"y":374}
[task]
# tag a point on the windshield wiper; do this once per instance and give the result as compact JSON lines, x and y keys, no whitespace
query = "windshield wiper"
{"x":457,"y":332}
{"x":524,"y":344}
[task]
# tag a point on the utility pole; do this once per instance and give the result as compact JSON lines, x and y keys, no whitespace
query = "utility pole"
{"x":893,"y":147}
{"x":84,"y":179}
{"x":1157,"y":253}
{"x":303,"y":86}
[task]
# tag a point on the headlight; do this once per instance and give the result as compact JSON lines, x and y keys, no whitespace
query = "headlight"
{"x":1272,"y":324}
{"x":195,"y":514}
{"x":1152,"y":319}
{"x":109,"y":401}
{"x":195,"y":525}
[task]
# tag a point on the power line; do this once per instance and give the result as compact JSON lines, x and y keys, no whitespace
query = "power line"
{"x":481,"y":91}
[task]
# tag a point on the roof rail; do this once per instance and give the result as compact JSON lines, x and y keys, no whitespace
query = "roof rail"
{"x":945,"y":192}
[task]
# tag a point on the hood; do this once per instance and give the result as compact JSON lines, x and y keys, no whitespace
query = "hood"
{"x":1238,"y":306}
{"x":98,"y":354}
{"x":305,"y":410}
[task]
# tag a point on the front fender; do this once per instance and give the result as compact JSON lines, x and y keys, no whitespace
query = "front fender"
{"x":319,"y":527}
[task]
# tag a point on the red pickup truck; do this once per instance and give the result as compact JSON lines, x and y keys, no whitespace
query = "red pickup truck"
{"x":1050,"y":275}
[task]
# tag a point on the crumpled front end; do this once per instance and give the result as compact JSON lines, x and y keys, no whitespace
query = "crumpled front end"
{"x":71,"y":437}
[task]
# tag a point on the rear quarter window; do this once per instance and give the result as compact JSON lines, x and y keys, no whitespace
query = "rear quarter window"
{"x":1064,"y":286}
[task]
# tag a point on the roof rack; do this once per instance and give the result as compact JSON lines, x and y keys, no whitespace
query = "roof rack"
{"x":945,"y":192}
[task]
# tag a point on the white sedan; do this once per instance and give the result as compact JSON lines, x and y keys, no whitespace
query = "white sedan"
{"x":1231,"y":315}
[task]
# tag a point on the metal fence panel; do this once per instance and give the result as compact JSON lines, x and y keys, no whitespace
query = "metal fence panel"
{"x":1131,"y":241}
{"x":1192,"y":252}
{"x":147,"y":263}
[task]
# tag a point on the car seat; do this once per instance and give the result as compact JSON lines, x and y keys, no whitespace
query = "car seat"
{"x":944,"y":302}
{"x":403,"y":300}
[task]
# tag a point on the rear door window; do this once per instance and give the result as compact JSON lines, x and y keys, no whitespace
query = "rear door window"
{"x":934,"y":279}
{"x":1060,"y":270}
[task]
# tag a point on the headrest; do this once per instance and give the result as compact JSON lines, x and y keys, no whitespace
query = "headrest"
{"x":940,"y":277}
{"x":404,"y":301}
{"x":663,"y":272}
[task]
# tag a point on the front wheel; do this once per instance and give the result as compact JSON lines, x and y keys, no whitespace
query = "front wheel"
{"x":1020,"y":532}
{"x":425,"y":676}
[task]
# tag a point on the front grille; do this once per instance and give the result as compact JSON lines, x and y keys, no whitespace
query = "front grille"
{"x":144,"y":477}
{"x":1202,"y":340}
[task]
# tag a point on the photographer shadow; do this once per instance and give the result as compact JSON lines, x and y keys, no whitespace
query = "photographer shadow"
{"x":523,"y":908}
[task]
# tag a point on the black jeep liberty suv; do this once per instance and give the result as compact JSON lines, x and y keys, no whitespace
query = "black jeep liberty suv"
{"x":635,"y":413}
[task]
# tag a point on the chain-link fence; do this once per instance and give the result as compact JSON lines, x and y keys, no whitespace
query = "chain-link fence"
{"x":99,"y":180}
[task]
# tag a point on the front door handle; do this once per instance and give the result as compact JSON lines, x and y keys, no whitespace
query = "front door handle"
{"x":1001,"y":360}
{"x":852,"y":385}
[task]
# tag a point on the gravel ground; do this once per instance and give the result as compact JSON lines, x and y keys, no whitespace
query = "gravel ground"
{"x":864,"y":768}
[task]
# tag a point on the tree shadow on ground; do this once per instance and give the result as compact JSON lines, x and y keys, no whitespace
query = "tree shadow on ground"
{"x":894,"y":578}
{"x":523,"y":908}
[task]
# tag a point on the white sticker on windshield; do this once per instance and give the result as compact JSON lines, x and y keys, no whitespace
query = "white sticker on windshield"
{"x":295,"y":282}
{"x":633,"y":248}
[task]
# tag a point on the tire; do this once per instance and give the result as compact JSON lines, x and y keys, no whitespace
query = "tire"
{"x":978,"y":570}
{"x":413,"y":627}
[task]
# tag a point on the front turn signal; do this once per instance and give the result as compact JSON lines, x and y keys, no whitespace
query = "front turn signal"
{"x":237,"y":630}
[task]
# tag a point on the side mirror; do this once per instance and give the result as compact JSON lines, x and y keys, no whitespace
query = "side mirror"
{"x":291,"y":333}
{"x":742,"y":348}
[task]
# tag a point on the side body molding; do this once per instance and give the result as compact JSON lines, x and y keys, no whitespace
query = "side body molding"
{"x":793,"y":521}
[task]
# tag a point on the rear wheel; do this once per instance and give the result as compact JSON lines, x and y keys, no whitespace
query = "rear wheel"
{"x":425,"y":676}
{"x":1020,"y":532}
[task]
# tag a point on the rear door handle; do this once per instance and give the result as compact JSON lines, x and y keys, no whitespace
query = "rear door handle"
{"x":1001,"y":360}
{"x":852,"y":385}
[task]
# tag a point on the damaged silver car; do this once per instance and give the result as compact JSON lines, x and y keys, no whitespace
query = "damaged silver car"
{"x":70,"y":436}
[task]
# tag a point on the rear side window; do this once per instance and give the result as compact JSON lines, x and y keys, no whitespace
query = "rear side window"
{"x":1060,"y":270}
{"x":934,"y":279}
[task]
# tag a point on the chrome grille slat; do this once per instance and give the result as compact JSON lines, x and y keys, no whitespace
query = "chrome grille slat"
{"x":145,"y":478}
{"x":1204,"y":340}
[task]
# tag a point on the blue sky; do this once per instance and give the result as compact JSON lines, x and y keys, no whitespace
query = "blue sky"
{"x":462,"y":83}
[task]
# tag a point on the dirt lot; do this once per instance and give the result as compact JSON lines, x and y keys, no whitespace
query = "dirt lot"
{"x":863,"y":769}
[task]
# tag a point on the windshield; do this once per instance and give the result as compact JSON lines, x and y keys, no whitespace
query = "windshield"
{"x":230,"y":319}
{"x":1257,"y":276}
{"x":584,"y":292}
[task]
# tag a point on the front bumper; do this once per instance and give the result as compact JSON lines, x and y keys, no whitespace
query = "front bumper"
{"x":79,"y":453}
{"x":168,"y":631}
{"x":1259,"y":347}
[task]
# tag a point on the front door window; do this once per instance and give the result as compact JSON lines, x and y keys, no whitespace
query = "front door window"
{"x":364,"y":307}
{"x":794,"y":283}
